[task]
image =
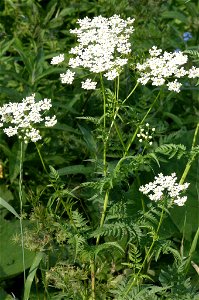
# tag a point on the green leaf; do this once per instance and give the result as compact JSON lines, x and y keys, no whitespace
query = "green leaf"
{"x":10,"y":252}
{"x":174,"y":15}
{"x":88,"y":137}
{"x":4,"y":295}
{"x":77,"y":169}
{"x":9,"y":207}
{"x":26,"y":58}
{"x":31,"y":274}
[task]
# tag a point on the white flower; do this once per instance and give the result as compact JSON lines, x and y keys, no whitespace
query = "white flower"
{"x":161,"y":67}
{"x":10,"y":131}
{"x":33,"y":135}
{"x":157,"y":81}
{"x":154,"y":51}
{"x":165,"y":186}
{"x":43,"y":104}
{"x":145,"y":135}
{"x":67,"y":77}
{"x":180,"y":201}
{"x":50,"y":122}
{"x":193,"y":72}
{"x":112,"y":74}
{"x":102,"y":46}
{"x":174,"y":86}
{"x":20,"y":118}
{"x":88,"y":84}
{"x":57,"y":59}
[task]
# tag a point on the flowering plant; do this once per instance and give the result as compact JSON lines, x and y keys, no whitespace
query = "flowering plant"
{"x":102,"y":52}
{"x":90,"y":212}
{"x":165,"y":187}
{"x":23,"y":117}
{"x":103,"y":47}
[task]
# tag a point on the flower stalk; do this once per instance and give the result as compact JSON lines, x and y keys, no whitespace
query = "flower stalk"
{"x":21,"y":207}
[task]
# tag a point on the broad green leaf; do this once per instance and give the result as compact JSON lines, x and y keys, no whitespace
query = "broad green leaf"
{"x":11,"y":253}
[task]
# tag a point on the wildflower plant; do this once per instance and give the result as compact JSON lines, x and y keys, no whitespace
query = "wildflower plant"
{"x":103,"y":48}
{"x":165,"y":68}
{"x":104,"y":234}
{"x":164,"y":187}
{"x":21,"y":118}
{"x":102,"y":52}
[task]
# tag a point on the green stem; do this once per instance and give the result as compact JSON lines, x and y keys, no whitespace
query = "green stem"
{"x":184,"y":175}
{"x":103,"y":213}
{"x":119,"y":135}
{"x":21,"y":208}
{"x":189,"y":163}
{"x":142,"y":199}
{"x":129,"y":95}
{"x":105,"y":139}
{"x":118,"y":107}
{"x":92,"y":265}
{"x":41,"y":158}
{"x":137,"y":129}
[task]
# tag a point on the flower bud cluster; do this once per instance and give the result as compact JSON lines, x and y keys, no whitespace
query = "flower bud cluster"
{"x":103,"y":47}
{"x":146,"y":134}
{"x":165,"y":186}
{"x":160,"y":67}
{"x":20,"y":118}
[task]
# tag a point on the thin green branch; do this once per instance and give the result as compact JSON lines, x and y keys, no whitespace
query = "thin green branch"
{"x":21,"y":208}
{"x":142,"y":121}
{"x":189,"y":163}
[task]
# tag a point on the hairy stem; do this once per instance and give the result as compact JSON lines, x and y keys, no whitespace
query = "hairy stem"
{"x":21,"y":207}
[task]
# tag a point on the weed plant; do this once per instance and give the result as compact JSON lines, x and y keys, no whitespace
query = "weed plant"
{"x":99,"y":150}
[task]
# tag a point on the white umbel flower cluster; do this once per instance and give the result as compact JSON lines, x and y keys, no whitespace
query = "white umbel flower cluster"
{"x":88,"y":84}
{"x":165,"y":67}
{"x":103,"y":46}
{"x":67,"y":77}
{"x":57,"y":59}
{"x":103,"y":43}
{"x":20,"y":118}
{"x":165,"y":186}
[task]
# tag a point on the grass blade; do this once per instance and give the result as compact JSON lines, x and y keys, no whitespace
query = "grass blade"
{"x":31,"y":274}
{"x":9,"y":207}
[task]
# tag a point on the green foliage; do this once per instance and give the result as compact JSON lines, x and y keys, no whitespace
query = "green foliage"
{"x":11,"y":257}
{"x":81,"y":196}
